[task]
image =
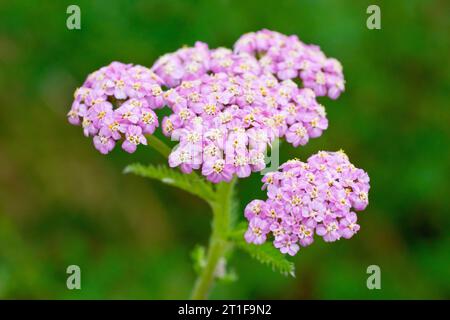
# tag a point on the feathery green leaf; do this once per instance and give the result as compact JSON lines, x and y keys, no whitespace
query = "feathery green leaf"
{"x":265,"y":253}
{"x":187,"y":182}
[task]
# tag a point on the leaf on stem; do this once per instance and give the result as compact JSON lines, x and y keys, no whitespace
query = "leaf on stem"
{"x":265,"y":253}
{"x":187,"y":182}
{"x":198,"y":256}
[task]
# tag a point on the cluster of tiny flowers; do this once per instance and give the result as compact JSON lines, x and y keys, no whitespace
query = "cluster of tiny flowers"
{"x":258,"y":53}
{"x":289,"y":58}
{"x":226,"y":123}
{"x":115,"y":103}
{"x":191,"y":63}
{"x":317,"y":197}
{"x":228,"y":106}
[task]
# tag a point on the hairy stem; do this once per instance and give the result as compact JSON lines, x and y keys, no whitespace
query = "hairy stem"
{"x":218,"y":243}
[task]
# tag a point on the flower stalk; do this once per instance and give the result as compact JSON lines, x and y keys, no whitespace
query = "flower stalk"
{"x":221,"y":225}
{"x":158,"y":145}
{"x":218,"y":243}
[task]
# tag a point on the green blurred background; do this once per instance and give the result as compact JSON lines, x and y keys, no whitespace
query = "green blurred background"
{"x":63,"y":203}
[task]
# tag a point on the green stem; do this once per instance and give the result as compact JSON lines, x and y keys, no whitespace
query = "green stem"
{"x":221,"y":224}
{"x":158,"y":145}
{"x":218,"y":243}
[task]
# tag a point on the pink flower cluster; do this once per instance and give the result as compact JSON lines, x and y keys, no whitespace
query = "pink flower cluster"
{"x":191,"y":63}
{"x":259,"y":53}
{"x":288,"y":58}
{"x":227,"y":106}
{"x":226,"y":123}
{"x":317,"y":197}
{"x":116,"y":103}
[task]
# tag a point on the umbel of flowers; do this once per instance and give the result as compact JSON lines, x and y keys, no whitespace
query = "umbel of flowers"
{"x":225,"y":123}
{"x":289,"y":58}
{"x":116,"y":103}
{"x":227,"y":106}
{"x":307,"y":198}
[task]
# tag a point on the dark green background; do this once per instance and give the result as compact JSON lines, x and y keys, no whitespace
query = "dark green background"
{"x":62,"y":203}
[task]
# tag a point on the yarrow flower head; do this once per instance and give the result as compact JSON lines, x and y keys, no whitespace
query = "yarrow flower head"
{"x":117,"y":102}
{"x":226,"y":123}
{"x":186,"y":63}
{"x":289,"y":58}
{"x":317,"y":197}
{"x":191,"y":63}
{"x":228,"y":106}
{"x":226,"y":110}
